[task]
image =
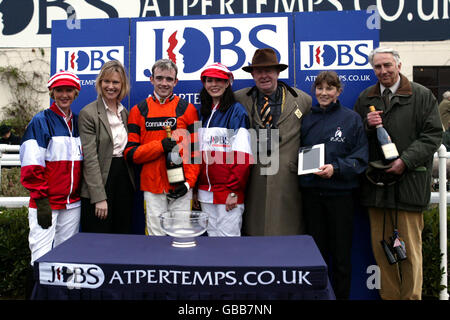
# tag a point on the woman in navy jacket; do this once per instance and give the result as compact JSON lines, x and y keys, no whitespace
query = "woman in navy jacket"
{"x":328,"y":194}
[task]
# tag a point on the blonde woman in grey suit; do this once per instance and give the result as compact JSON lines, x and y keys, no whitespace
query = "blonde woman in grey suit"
{"x":108,"y":180}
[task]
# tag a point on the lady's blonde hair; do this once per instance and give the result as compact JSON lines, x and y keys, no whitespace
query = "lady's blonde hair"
{"x":107,"y":69}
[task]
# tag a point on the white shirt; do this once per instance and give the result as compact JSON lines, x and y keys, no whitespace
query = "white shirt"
{"x":204,"y":195}
{"x":118,"y":130}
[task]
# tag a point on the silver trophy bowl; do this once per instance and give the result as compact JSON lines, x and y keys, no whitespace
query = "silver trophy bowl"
{"x":184,"y":226}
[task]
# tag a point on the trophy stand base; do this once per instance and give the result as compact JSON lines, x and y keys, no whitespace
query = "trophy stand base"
{"x":183,"y":242}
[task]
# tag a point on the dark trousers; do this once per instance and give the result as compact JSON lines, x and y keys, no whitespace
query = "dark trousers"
{"x":119,"y":192}
{"x":329,"y":220}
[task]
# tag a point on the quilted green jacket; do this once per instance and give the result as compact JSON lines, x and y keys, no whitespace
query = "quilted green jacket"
{"x":413,"y":122}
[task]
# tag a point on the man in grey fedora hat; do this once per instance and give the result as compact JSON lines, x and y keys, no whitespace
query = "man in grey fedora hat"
{"x":273,"y":200}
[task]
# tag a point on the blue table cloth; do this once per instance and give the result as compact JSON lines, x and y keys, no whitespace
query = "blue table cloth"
{"x":108,"y":266}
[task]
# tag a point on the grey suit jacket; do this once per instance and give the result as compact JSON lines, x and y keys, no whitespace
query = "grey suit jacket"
{"x":97,"y":142}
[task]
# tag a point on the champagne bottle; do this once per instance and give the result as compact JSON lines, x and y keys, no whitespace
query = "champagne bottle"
{"x":174,"y":163}
{"x":387,"y":146}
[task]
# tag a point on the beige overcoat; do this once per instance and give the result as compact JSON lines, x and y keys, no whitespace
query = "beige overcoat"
{"x":273,"y":201}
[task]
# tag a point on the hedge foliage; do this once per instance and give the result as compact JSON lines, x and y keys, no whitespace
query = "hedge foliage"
{"x":431,"y":253}
{"x":11,"y":186}
{"x":14,"y":252}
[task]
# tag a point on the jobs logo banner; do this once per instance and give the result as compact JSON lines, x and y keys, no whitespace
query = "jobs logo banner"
{"x":229,"y":41}
{"x":335,"y":55}
{"x":71,"y":275}
{"x":87,"y":60}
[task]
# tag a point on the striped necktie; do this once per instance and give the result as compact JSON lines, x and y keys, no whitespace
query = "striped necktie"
{"x":266,"y":117}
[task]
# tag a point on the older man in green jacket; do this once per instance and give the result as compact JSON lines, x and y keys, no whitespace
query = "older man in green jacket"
{"x":409,"y":113}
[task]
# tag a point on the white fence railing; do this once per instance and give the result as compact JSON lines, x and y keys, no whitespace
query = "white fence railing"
{"x":442,"y":197}
{"x":442,"y":154}
{"x":9,"y":160}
